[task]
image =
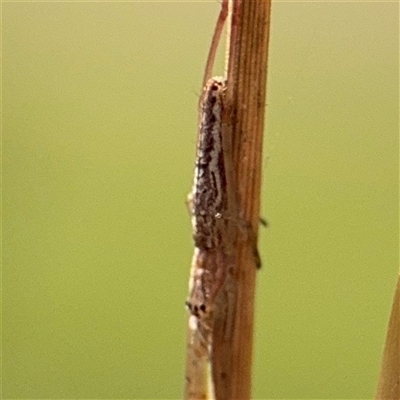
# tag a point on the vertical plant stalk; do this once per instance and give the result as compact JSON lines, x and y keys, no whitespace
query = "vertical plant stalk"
{"x":389,"y":380}
{"x":248,"y":33}
{"x":224,"y":205}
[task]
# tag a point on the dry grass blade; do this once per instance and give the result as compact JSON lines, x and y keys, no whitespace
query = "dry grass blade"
{"x":246,"y":93}
{"x":389,"y":381}
{"x":225,"y":208}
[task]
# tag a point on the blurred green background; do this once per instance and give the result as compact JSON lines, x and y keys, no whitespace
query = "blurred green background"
{"x":99,"y":128}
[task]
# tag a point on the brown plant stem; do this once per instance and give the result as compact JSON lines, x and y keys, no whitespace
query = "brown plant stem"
{"x":389,"y":380}
{"x":248,"y":33}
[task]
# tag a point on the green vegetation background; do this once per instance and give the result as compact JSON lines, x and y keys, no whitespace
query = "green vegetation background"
{"x":99,"y":129}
